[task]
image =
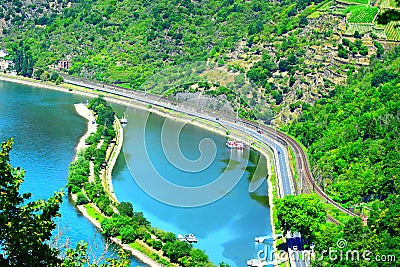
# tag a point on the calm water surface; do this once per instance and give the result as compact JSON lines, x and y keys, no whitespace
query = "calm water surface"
{"x":46,"y":128}
{"x":225,"y":228}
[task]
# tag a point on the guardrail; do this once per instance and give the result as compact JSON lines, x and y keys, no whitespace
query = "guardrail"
{"x":301,"y":161}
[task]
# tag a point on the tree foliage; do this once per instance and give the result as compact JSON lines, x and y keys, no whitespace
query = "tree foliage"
{"x":302,"y":213}
{"x":26,"y":226}
{"x":353,"y":135}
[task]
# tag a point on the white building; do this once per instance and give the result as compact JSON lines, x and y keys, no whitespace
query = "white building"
{"x":3,"y":53}
{"x":4,"y":64}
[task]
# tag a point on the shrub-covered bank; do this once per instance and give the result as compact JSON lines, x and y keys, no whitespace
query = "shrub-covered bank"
{"x":119,"y":219}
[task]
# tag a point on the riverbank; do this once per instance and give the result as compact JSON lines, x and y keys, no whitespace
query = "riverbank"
{"x":210,"y":126}
{"x":85,"y":112}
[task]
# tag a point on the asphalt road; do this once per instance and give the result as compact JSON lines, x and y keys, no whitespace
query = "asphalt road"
{"x":280,"y":151}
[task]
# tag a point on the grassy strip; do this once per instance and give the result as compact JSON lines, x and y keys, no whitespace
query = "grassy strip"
{"x":336,"y":213}
{"x":154,"y":256}
{"x":275,"y":197}
{"x":94,"y":213}
{"x":293,"y":166}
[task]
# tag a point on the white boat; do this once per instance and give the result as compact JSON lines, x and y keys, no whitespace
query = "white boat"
{"x":124,"y":120}
{"x":191,"y":238}
{"x":181,"y":237}
{"x":232,"y":144}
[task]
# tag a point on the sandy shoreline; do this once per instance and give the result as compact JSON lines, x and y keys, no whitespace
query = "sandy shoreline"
{"x":83,"y":111}
{"x":220,"y":130}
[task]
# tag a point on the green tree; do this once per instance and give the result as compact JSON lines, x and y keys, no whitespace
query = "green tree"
{"x":128,"y":234}
{"x":302,"y":213}
{"x":125,"y":209}
{"x":25,"y":227}
{"x":176,"y":250}
{"x":81,"y":199}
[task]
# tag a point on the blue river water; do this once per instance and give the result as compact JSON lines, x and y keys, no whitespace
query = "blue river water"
{"x":46,"y":129}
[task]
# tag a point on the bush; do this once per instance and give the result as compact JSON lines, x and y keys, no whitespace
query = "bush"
{"x":125,"y":209}
{"x":128,"y":234}
{"x":108,"y":211}
{"x":74,"y":189}
{"x":81,"y":199}
{"x":157,"y":244}
{"x":176,"y":250}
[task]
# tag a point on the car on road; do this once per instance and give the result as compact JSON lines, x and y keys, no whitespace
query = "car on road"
{"x":259,"y":131}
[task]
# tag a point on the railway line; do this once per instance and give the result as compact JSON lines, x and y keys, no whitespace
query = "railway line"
{"x":302,"y":162}
{"x":303,"y":167}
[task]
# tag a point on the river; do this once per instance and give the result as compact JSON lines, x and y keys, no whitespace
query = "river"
{"x":46,"y":128}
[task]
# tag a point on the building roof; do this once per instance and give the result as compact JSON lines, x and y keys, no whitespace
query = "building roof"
{"x":3,"y":53}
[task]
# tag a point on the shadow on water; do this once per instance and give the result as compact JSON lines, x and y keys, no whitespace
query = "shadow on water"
{"x":225,"y":228}
{"x":46,"y":129}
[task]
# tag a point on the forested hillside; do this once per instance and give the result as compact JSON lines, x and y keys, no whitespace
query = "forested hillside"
{"x":353,"y":135}
{"x":129,"y":40}
{"x":18,"y":13}
{"x":293,"y":57}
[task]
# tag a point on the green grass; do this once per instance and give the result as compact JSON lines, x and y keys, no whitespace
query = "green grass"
{"x":392,"y":30}
{"x":361,"y":14}
{"x":149,"y":253}
{"x":293,"y":164}
{"x":94,"y":213}
{"x":356,"y":1}
{"x":314,"y":15}
{"x":335,"y":213}
{"x":393,"y":3}
{"x":361,"y":28}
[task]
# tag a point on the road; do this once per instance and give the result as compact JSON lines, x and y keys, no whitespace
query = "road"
{"x":276,"y":140}
{"x":285,"y":180}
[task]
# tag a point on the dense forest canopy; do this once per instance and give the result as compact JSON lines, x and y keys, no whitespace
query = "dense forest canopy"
{"x":353,"y":135}
{"x":126,"y":41}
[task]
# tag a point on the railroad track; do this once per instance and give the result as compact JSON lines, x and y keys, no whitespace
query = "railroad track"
{"x":302,"y":166}
{"x":301,"y":160}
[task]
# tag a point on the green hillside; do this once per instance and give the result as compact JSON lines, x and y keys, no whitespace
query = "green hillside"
{"x":127,"y":41}
{"x":353,"y":135}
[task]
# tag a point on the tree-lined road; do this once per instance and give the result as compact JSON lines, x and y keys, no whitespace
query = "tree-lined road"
{"x":275,"y":139}
{"x":271,"y":137}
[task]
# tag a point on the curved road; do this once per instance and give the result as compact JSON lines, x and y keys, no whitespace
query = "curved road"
{"x":275,"y":139}
{"x":279,"y":149}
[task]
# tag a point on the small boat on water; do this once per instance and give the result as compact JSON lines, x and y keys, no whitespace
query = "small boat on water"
{"x":191,"y":238}
{"x":232,"y":144}
{"x":124,"y":120}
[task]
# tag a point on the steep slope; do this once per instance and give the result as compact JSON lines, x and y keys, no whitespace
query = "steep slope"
{"x":353,"y":135}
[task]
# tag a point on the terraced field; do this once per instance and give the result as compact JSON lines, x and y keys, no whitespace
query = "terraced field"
{"x":361,"y":28}
{"x":361,"y":14}
{"x":354,"y":1}
{"x":392,"y":30}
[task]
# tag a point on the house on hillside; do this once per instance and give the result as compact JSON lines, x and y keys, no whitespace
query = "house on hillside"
{"x":5,"y":64}
{"x":64,"y":64}
{"x":3,"y":53}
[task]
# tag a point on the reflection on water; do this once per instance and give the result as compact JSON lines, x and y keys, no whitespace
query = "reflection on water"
{"x":225,"y":228}
{"x":46,"y":129}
